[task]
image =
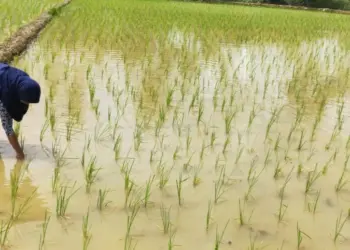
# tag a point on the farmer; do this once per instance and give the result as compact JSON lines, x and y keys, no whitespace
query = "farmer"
{"x":17,"y":91}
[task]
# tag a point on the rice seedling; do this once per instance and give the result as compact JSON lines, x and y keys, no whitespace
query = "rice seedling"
{"x":130,"y":221}
{"x":43,"y":130}
{"x":209,"y":217}
{"x":164,"y":176}
{"x":91,"y":172}
{"x":339,"y":224}
{"x":148,"y":190}
{"x":55,"y":180}
{"x":313,"y":206}
{"x":219,"y":237}
{"x":171,"y":243}
{"x":86,"y":231}
{"x":102,"y":201}
{"x":63,"y":199}
{"x":5,"y":228}
{"x":117,"y":147}
{"x":179,"y":188}
{"x":219,"y":188}
{"x":44,"y":231}
{"x":196,"y":179}
{"x":341,"y":181}
{"x":300,"y":235}
{"x":312,"y":177}
{"x":166,"y":218}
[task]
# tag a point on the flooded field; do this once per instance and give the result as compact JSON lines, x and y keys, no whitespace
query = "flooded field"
{"x":15,"y":13}
{"x":169,"y":125}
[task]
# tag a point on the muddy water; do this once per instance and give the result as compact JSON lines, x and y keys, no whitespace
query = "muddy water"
{"x":240,"y":75}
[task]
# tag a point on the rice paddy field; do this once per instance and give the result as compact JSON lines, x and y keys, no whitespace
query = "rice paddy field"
{"x":172,"y":125}
{"x":15,"y":13}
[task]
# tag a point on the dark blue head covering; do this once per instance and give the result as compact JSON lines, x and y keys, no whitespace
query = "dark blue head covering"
{"x":17,"y":87}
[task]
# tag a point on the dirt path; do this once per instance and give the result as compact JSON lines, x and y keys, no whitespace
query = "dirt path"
{"x":19,"y":41}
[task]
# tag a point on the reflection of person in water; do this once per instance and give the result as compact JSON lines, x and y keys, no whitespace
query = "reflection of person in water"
{"x":17,"y":91}
{"x":35,"y":210}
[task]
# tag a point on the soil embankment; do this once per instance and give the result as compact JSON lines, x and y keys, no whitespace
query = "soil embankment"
{"x":19,"y":41}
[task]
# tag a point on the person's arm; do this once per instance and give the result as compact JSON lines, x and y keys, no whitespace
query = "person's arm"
{"x":6,"y":121}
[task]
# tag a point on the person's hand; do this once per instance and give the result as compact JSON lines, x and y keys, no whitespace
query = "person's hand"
{"x":20,"y":156}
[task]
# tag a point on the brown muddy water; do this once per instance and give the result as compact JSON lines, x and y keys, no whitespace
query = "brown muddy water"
{"x":231,"y":167}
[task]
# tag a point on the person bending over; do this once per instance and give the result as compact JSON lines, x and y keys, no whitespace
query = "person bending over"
{"x":17,"y":91}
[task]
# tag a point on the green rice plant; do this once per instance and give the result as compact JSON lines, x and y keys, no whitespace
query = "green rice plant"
{"x":5,"y":228}
{"x":212,"y":139}
{"x":101,"y":133}
{"x":164,"y":175}
{"x":312,"y":177}
{"x":253,"y":178}
{"x":102,"y":201}
{"x":69,"y":128}
{"x":196,"y":179}
{"x":226,"y":144}
{"x":219,"y":187}
{"x":91,"y":172}
{"x":200,"y":111}
{"x":282,"y":207}
{"x":252,"y":115}
{"x":300,"y":235}
{"x":129,"y":243}
{"x":86,"y":231}
{"x":137,"y":137}
{"x":326,"y":166}
{"x":240,"y":152}
{"x":52,"y":118}
{"x":209,"y":216}
{"x":302,"y":142}
{"x":46,"y":109}
{"x":169,"y":97}
{"x":312,"y":207}
{"x":44,"y":231}
{"x":129,"y":223}
{"x":128,"y":187}
{"x":219,"y":237}
{"x":242,"y":218}
{"x":62,"y":200}
{"x":55,"y":180}
{"x":277,"y":143}
{"x":223,"y":104}
{"x":179,"y":188}
{"x":148,"y":190}
{"x":176,"y":152}
{"x":188,"y":141}
{"x":92,"y":91}
{"x":278,"y":170}
{"x":171,"y":244}
{"x":44,"y":129}
{"x":339,"y":224}
{"x":334,"y":135}
{"x":166,"y":218}
{"x":228,"y":120}
{"x":341,"y":181}
{"x":117,"y":147}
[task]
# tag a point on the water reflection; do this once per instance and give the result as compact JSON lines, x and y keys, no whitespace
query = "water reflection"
{"x":27,"y":192}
